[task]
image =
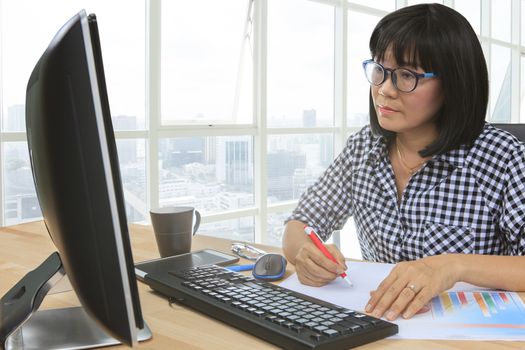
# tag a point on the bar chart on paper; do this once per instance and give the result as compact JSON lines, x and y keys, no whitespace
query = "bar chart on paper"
{"x":484,"y":309}
{"x":476,"y":304}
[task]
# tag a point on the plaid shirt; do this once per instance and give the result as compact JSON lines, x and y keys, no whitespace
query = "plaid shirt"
{"x":468,"y":200}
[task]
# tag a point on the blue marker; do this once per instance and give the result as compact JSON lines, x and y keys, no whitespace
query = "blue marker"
{"x":238,"y":268}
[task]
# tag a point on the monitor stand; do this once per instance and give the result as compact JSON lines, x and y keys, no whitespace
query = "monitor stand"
{"x":23,"y":326}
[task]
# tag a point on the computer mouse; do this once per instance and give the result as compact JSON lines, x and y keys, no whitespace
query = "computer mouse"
{"x":269,"y":267}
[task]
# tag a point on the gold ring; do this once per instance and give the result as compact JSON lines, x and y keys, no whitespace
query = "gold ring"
{"x":412,"y":287}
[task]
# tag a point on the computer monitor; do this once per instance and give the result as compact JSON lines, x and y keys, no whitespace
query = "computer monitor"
{"x":76,"y":173}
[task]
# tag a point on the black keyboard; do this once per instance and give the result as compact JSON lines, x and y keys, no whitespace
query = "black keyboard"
{"x":278,"y":315}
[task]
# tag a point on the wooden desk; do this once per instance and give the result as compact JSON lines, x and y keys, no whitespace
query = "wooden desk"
{"x":24,"y":247}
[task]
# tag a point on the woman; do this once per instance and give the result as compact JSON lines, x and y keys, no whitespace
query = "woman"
{"x":431,"y":185}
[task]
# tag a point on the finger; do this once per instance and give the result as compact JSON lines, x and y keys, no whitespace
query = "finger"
{"x":320,"y":259}
{"x":382,"y":288}
{"x":384,"y":298}
{"x":306,"y":279}
{"x":313,"y":271}
{"x":336,"y":253}
{"x":319,"y":272}
{"x":405,"y":297}
{"x":419,"y":302}
{"x":388,"y":280}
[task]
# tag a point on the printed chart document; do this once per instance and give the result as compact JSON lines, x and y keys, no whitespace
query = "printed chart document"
{"x":463,"y":312}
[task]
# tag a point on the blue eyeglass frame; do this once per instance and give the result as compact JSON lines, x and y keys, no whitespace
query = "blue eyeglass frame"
{"x":388,"y":70}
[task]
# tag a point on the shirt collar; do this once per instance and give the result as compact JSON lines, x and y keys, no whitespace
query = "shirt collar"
{"x":378,"y":150}
{"x":455,"y":157}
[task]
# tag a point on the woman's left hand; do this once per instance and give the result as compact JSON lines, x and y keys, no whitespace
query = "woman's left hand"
{"x":411,"y":285}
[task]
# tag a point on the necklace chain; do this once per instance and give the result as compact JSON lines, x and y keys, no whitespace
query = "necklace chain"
{"x":411,"y":170}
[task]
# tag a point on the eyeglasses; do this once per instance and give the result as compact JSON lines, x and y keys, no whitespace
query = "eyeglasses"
{"x":403,"y":79}
{"x":247,"y":251}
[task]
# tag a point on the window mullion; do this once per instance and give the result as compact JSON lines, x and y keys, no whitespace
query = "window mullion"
{"x":153,"y":93}
{"x":485,"y":36}
{"x":515,"y":59}
{"x":2,"y":187}
{"x":340,"y":75}
{"x":260,"y":149}
{"x":340,"y":85}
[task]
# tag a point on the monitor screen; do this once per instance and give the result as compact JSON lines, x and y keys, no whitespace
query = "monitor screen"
{"x":76,"y":173}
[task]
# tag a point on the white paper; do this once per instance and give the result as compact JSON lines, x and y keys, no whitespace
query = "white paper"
{"x":366,"y":277}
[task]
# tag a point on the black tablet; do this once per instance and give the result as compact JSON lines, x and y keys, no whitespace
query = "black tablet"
{"x":184,"y":261}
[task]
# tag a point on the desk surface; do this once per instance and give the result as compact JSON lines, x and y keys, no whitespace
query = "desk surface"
{"x":24,"y":247}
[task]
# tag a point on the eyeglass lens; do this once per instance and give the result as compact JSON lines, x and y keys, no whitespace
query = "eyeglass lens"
{"x":246,"y":251}
{"x":403,"y":80}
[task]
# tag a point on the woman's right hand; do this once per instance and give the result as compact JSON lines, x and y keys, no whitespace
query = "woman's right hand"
{"x":314,"y":268}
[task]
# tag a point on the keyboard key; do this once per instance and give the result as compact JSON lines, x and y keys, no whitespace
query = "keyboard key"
{"x":302,"y":321}
{"x":279,"y":320}
{"x":362,"y":323}
{"x":319,"y":328}
{"x":350,"y":326}
{"x":372,"y":320}
{"x":311,"y":324}
{"x":330,"y":332}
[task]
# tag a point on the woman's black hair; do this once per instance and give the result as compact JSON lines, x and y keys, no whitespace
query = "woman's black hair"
{"x":439,"y":40}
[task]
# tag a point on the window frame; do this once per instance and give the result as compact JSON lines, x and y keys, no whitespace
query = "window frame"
{"x":258,"y":129}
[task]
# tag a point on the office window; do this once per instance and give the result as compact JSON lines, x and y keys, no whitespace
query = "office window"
{"x":500,"y":72}
{"x":132,"y":159}
{"x":239,"y":229}
{"x":300,"y":64}
{"x":276,"y":228}
{"x":350,"y":241}
{"x":206,"y":54}
{"x":122,"y":38}
{"x":500,"y":28}
{"x":213,"y":174}
{"x":26,"y":32}
{"x":21,"y":203}
{"x":360,"y":27}
{"x":415,"y":2}
{"x":522,"y":37}
{"x":470,"y":9}
{"x":387,"y":5}
{"x":27,"y":29}
{"x":522,"y":89}
{"x":295,"y":162}
{"x":206,"y":62}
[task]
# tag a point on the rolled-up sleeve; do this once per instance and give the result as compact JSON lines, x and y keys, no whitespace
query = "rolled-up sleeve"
{"x":512,"y":219}
{"x":327,"y":205}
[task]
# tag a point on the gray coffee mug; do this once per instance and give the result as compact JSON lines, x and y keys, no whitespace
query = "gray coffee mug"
{"x":174,"y":228}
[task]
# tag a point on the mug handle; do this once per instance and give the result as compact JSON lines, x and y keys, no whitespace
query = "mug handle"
{"x":197,"y":222}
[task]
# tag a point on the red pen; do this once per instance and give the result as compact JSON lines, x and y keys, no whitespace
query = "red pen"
{"x":319,"y":244}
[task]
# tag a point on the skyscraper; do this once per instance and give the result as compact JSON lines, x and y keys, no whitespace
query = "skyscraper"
{"x":235,"y":163}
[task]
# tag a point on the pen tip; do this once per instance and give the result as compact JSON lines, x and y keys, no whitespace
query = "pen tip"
{"x":348,"y":281}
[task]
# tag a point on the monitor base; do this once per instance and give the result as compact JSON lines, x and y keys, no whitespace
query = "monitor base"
{"x":23,"y":326}
{"x":68,"y":328}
